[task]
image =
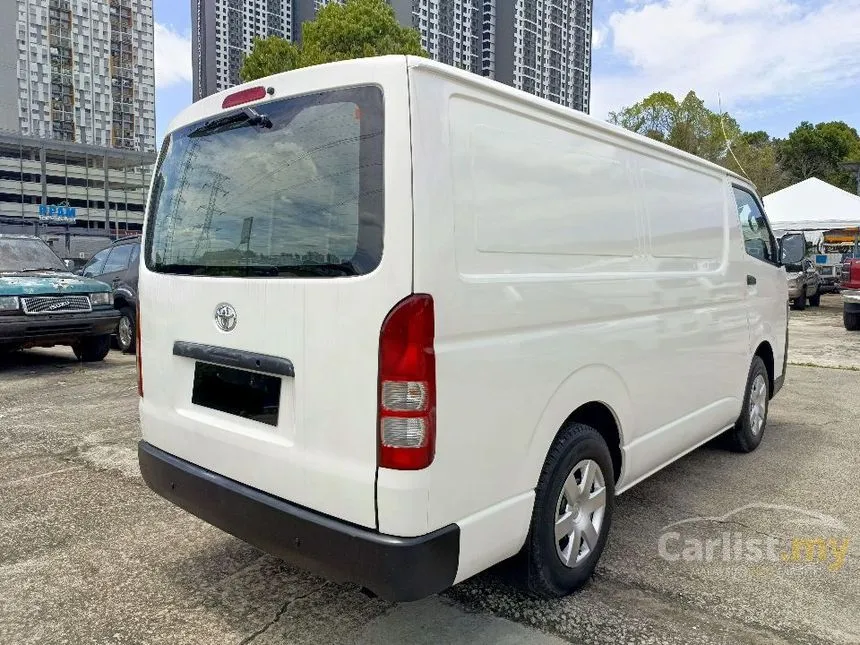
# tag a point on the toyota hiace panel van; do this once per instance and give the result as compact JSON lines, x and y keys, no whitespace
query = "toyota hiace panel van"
{"x":399,"y":322}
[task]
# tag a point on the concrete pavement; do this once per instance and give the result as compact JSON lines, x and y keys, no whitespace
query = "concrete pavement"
{"x":89,"y":555}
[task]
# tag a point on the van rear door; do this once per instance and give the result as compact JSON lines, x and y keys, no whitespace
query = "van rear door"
{"x":264,"y":284}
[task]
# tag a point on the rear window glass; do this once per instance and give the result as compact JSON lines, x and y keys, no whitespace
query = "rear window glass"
{"x":293,"y":187}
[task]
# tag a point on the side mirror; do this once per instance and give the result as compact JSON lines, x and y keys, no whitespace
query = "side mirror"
{"x":792,"y":248}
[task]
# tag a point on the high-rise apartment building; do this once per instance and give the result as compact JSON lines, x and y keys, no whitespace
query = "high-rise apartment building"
{"x":84,"y":71}
{"x":77,"y":119}
{"x":540,"y":46}
{"x":222,"y":31}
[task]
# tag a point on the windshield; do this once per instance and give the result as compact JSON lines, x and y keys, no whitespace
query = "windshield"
{"x":293,"y":187}
{"x":17,"y":254}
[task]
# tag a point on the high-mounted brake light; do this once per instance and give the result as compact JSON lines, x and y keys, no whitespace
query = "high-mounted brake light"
{"x":407,"y":385}
{"x":137,"y":353}
{"x":244,"y":96}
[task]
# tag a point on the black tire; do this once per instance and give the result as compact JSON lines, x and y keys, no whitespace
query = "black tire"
{"x":800,"y":301}
{"x":743,"y":437}
{"x":92,"y":349}
{"x":127,"y":316}
{"x":815,"y":301}
{"x":851,"y":321}
{"x":546,"y":575}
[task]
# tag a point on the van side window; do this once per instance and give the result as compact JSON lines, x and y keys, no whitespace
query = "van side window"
{"x":757,"y":236}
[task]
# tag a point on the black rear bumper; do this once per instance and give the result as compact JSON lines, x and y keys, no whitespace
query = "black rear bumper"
{"x":394,"y":568}
{"x":57,"y":329}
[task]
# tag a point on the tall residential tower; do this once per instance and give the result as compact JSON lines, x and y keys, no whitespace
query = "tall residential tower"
{"x":84,"y":71}
{"x":540,"y":46}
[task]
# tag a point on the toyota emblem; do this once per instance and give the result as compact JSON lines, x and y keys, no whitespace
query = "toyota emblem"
{"x":225,"y":317}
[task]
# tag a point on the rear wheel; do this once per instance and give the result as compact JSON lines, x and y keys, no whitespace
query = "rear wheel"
{"x":851,"y":321}
{"x":749,"y":429}
{"x":800,"y":301}
{"x":92,"y":349}
{"x":815,"y":301}
{"x":125,"y":332}
{"x":572,"y":514}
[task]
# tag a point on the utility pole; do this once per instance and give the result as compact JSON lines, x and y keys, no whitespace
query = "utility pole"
{"x":216,"y":189}
{"x":177,"y":210}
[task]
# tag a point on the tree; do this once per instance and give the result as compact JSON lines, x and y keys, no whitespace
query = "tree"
{"x":269,"y":56}
{"x":690,"y":126}
{"x":754,"y":155}
{"x":817,"y":150}
{"x":687,"y":125}
{"x":354,"y":29}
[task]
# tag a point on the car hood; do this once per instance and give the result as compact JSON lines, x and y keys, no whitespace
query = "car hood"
{"x":31,"y":284}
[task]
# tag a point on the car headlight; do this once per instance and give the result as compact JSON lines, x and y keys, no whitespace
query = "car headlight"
{"x":104,"y":298}
{"x":8,"y":303}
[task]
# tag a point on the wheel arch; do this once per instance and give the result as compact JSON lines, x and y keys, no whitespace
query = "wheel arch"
{"x":765,"y":353}
{"x":594,"y":395}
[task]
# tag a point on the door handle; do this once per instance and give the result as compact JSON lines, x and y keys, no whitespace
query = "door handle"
{"x":751,"y":280}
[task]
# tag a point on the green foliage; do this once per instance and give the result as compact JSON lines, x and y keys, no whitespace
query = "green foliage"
{"x":771,"y":164}
{"x":269,"y":56}
{"x":354,"y":29}
{"x":817,"y":150}
{"x":687,"y":125}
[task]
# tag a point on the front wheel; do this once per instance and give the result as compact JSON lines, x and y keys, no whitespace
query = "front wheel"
{"x":574,"y":500}
{"x":851,"y":320}
{"x":749,"y":429}
{"x":92,"y":349}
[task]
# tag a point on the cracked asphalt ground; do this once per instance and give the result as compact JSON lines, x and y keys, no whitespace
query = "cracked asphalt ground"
{"x":89,"y":555}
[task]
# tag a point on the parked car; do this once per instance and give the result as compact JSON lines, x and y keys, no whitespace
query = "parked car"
{"x":850,"y":287}
{"x":117,"y":266}
{"x":43,"y":304}
{"x":804,"y":284}
{"x":414,"y":322}
{"x":829,"y":267}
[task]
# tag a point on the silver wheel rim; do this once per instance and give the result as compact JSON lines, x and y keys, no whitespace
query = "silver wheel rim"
{"x":124,"y":331}
{"x":758,"y":404}
{"x":579,"y":513}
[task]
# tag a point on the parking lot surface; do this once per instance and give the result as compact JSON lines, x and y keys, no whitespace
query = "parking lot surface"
{"x":89,"y":555}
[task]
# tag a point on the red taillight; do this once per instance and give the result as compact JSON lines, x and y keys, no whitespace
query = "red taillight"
{"x":137,"y":353}
{"x":407,"y":385}
{"x":244,"y":96}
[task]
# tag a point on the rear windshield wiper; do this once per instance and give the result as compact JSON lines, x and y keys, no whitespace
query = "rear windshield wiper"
{"x":248,"y":116}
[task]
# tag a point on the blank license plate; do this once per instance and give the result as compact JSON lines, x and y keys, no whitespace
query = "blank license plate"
{"x":238,"y":392}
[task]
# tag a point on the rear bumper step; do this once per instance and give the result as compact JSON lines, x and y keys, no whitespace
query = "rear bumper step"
{"x":394,"y":568}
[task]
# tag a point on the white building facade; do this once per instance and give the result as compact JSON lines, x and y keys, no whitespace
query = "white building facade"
{"x":84,"y":71}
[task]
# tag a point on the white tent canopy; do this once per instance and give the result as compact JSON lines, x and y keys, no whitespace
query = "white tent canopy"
{"x":812,"y":205}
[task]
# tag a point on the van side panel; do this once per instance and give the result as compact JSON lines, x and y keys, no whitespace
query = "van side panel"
{"x":561,"y":275}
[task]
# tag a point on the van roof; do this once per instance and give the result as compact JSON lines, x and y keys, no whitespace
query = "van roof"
{"x":212,"y":103}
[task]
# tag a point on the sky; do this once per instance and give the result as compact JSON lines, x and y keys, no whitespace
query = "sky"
{"x":770,"y":63}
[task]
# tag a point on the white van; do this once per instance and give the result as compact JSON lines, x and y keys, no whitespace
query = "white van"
{"x":399,"y":322}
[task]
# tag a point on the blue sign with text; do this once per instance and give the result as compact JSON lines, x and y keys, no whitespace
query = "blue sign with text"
{"x":64,"y":214}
